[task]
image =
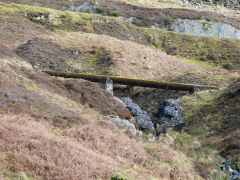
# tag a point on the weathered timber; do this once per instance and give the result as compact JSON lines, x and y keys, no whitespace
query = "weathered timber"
{"x":131,"y":82}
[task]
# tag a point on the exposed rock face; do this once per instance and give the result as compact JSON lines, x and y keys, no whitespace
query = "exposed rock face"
{"x":169,"y":114}
{"x":142,"y":117}
{"x":85,"y":7}
{"x":203,"y":28}
{"x":108,"y":86}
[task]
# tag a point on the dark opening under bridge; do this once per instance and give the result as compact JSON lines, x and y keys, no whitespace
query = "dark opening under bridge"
{"x":131,"y":82}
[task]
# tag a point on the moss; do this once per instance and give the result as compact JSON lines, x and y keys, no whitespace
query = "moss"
{"x":31,"y":86}
{"x":192,"y":1}
{"x":168,"y":22}
{"x":10,"y":155}
{"x":118,"y":176}
{"x":100,"y":10}
{"x":131,"y":81}
{"x":206,"y":26}
{"x":192,"y":104}
{"x":205,"y":64}
{"x":58,"y":132}
{"x":210,"y":49}
{"x":8,"y":175}
{"x":115,"y":14}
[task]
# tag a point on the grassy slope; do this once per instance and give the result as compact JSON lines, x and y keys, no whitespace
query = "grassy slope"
{"x":50,"y":122}
{"x":174,"y":166}
{"x":46,"y":148}
{"x":224,"y":52}
{"x":214,"y":118}
{"x":127,"y":59}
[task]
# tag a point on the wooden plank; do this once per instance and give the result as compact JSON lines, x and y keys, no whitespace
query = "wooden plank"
{"x":131,"y":82}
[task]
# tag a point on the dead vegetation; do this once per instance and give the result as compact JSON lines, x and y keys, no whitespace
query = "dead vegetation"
{"x":225,"y":53}
{"x":41,"y":154}
{"x":142,"y":11}
{"x":101,"y":54}
{"x":80,"y":144}
{"x":25,"y":97}
{"x":54,"y":129}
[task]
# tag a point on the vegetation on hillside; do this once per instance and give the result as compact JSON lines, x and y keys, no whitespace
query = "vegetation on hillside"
{"x":224,"y":52}
{"x":54,"y":128}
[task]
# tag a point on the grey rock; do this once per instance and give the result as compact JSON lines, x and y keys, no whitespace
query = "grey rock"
{"x":124,"y":124}
{"x":40,"y":17}
{"x":232,"y":173}
{"x":169,"y":114}
{"x":171,"y":102}
{"x":204,"y":28}
{"x":50,"y":18}
{"x":130,"y":19}
{"x":141,"y":116}
{"x":85,"y":7}
{"x":75,"y":53}
{"x":119,"y":100}
{"x":108,"y":86}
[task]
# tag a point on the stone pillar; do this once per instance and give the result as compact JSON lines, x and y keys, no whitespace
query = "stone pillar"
{"x":108,"y":86}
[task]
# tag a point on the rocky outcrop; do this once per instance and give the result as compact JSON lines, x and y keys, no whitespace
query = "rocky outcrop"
{"x":85,"y":7}
{"x":143,"y":120}
{"x":124,"y":124}
{"x":169,"y":114}
{"x":202,"y":28}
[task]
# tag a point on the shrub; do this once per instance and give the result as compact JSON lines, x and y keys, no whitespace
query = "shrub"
{"x":100,"y":10}
{"x":168,"y":23}
{"x":115,"y":14}
{"x":228,"y":66}
{"x":192,"y":1}
{"x":118,"y":176}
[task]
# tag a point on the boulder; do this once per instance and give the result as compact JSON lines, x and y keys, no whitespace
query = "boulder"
{"x":108,"y":86}
{"x":124,"y":124}
{"x":143,"y":120}
{"x":169,"y":114}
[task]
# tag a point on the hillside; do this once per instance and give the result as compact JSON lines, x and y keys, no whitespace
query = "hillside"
{"x":56,"y":128}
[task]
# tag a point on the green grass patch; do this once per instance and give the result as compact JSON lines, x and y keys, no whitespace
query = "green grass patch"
{"x":9,"y":175}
